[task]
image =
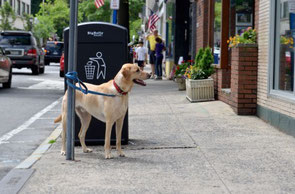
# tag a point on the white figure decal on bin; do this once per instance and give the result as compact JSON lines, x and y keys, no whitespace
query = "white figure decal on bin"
{"x":91,"y":66}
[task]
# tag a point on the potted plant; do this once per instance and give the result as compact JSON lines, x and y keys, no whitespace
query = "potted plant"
{"x":248,"y":37}
{"x":179,"y":74}
{"x":199,"y":85}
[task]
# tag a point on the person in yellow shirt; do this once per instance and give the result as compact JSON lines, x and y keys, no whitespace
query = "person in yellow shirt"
{"x":152,"y":41}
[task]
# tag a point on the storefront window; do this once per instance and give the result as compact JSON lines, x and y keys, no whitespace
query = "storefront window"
{"x":241,"y":16}
{"x":284,"y":46}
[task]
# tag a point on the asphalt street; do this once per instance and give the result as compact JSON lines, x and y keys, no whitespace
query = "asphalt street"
{"x":27,"y":111}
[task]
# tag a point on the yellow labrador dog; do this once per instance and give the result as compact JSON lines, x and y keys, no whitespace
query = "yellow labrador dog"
{"x":106,"y":109}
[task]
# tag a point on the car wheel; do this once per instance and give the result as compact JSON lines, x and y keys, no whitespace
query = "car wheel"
{"x":41,"y":70}
{"x":8,"y":84}
{"x":35,"y":70}
{"x":61,"y":73}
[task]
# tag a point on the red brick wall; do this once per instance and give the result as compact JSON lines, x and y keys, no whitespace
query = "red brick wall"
{"x":238,"y":86}
{"x":221,"y":81}
{"x":244,"y":80}
{"x":202,"y":24}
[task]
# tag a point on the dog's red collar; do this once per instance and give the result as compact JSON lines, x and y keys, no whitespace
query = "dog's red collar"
{"x":119,"y":89}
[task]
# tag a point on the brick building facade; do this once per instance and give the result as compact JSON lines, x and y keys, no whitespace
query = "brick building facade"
{"x":245,"y":78}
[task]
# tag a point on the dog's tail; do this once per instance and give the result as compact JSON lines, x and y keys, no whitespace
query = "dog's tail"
{"x":58,"y":119}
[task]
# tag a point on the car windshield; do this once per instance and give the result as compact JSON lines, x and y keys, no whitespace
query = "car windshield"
{"x":54,"y":46}
{"x":15,"y":40}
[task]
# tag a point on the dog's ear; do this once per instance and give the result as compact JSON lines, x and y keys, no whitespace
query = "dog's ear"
{"x":126,"y":72}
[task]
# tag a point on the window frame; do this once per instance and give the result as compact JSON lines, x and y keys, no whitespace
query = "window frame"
{"x":27,"y":9}
{"x":23,"y":8}
{"x":274,"y":55}
{"x":18,"y":9}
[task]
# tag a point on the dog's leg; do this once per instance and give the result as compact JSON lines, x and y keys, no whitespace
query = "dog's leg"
{"x":85,"y":119}
{"x":107,"y":143}
{"x":63,"y":135}
{"x":119,"y":125}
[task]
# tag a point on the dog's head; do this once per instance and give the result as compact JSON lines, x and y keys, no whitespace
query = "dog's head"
{"x":132,"y":72}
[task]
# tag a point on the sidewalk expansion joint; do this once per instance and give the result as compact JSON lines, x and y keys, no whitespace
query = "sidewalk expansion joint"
{"x":164,"y":148}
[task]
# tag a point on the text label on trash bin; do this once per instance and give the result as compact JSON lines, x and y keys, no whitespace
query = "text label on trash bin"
{"x":95,"y":34}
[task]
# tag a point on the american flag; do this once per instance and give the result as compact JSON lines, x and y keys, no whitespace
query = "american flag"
{"x":98,"y":3}
{"x":152,"y":21}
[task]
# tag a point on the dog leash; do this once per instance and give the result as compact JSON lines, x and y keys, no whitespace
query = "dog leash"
{"x":82,"y":87}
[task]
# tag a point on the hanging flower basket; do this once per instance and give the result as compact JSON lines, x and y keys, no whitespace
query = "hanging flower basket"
{"x":200,"y":90}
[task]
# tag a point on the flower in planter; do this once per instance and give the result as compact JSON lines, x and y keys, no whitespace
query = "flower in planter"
{"x":287,"y":41}
{"x":202,"y":69}
{"x":194,"y":73}
{"x":249,"y":36}
{"x":180,"y":69}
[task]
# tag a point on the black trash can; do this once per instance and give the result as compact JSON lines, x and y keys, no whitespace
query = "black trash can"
{"x":101,"y":52}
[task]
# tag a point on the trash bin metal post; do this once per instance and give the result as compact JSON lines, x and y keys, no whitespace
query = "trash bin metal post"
{"x":71,"y":67}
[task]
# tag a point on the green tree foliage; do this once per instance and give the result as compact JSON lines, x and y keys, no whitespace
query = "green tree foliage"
{"x":88,"y":11}
{"x":135,"y":7}
{"x":205,"y":63}
{"x":60,"y":14}
{"x":28,"y":25}
{"x":134,"y":28}
{"x":57,"y":13}
{"x":217,"y":20}
{"x":44,"y":28}
{"x":6,"y":13}
{"x":199,"y":56}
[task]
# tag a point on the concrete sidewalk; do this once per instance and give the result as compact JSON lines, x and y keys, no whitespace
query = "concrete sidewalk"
{"x":176,"y":147}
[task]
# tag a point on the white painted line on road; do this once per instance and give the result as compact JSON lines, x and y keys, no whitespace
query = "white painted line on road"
{"x":48,"y":84}
{"x":7,"y":136}
{"x":47,"y":118}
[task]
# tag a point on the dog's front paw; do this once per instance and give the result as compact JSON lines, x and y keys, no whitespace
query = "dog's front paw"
{"x":63,"y":153}
{"x":121,"y":154}
{"x":87,"y":150}
{"x":108,"y":156}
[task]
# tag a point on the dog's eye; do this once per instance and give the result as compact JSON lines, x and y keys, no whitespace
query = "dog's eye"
{"x":138,"y":70}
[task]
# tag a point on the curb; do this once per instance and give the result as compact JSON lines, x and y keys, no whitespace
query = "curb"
{"x":37,"y":154}
{"x":13,"y":182}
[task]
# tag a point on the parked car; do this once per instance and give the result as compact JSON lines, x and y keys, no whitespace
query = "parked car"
{"x":53,"y":51}
{"x":5,"y":70}
{"x":23,"y":49}
{"x":62,"y":66}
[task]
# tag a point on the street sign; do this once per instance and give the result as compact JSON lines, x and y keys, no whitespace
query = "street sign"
{"x":115,"y":4}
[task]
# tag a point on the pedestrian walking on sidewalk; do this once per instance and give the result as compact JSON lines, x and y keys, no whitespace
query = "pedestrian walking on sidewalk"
{"x":159,"y":58}
{"x":152,"y":43}
{"x":141,"y":55}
